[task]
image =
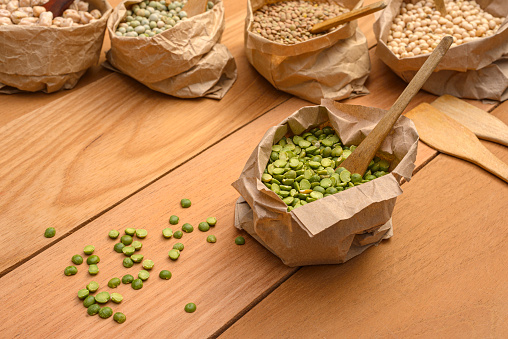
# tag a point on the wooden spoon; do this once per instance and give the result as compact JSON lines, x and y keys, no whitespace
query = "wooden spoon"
{"x":484,"y":125}
{"x":346,"y":17}
{"x":359,"y":160}
{"x":57,"y":7}
{"x":448,"y":136}
{"x":440,"y":6}
{"x":195,"y":7}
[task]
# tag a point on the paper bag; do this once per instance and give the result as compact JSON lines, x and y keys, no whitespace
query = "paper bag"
{"x":332,"y":66}
{"x":186,"y":61}
{"x":338,"y":227}
{"x":35,"y":58}
{"x":474,"y":70}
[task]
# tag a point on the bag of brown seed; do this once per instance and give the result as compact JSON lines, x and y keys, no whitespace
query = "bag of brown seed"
{"x":186,"y":61}
{"x":475,"y":67}
{"x":333,"y":65}
{"x":335,"y":228}
{"x":49,"y":58}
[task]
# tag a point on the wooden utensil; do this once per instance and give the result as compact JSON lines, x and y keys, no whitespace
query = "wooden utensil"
{"x":195,"y":7}
{"x":346,"y":17}
{"x":484,"y":125}
{"x":57,"y":7}
{"x":447,"y":135}
{"x":440,"y":6}
{"x":359,"y":160}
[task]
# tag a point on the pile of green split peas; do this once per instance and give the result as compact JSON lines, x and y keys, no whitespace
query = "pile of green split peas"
{"x":303,"y":169}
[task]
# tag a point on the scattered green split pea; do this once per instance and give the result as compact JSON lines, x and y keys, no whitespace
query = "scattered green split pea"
{"x":127,"y":279}
{"x":186,"y":203}
{"x":190,"y":308}
{"x":119,"y":247}
{"x":212,"y":221}
{"x":113,"y":234}
{"x":137,"y":245}
{"x":105,"y":312}
{"x":93,"y":309}
{"x":173,"y":220}
{"x":89,"y":249}
{"x":240,"y":240}
{"x":204,"y":226}
{"x":211,"y":239}
{"x":88,"y":301}
{"x":82,"y":294}
{"x":174,"y":254}
{"x":128,"y":250}
{"x":114,"y":282}
{"x":165,"y":274}
{"x":116,"y":298}
{"x":93,"y":259}
{"x":128,"y":263}
{"x":119,"y":317}
{"x":148,"y":264}
{"x":130,"y":231}
{"x":137,"y":284}
{"x":126,"y":239}
{"x":143,"y":275}
{"x":50,"y":232}
{"x":167,"y":233}
{"x":70,"y":270}
{"x":178,"y":235}
{"x":102,"y":297}
{"x":93,"y":286}
{"x":141,"y":233}
{"x":77,"y":259}
{"x":187,"y":228}
{"x":178,"y":246}
{"x":93,"y":269}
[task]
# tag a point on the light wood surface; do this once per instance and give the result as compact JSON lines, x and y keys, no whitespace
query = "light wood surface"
{"x":484,"y":125}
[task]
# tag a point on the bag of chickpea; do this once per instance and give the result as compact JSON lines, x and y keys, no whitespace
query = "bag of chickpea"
{"x":42,"y":53}
{"x":475,"y":66}
{"x":331,"y":65}
{"x":301,"y":205}
{"x":155,"y":43}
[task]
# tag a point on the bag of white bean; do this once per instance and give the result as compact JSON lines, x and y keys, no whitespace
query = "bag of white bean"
{"x":185,"y":61}
{"x":42,"y":53}
{"x":333,"y":65}
{"x":475,"y":67}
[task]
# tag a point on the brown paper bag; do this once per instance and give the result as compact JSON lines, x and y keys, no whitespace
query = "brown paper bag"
{"x":186,"y":61}
{"x":332,"y":66}
{"x":474,"y":70}
{"x":338,"y":227}
{"x":34,"y":58}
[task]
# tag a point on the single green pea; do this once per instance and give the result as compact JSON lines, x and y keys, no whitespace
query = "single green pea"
{"x":93,"y":259}
{"x":126,"y":239}
{"x":240,"y":240}
{"x":167,"y":233}
{"x":93,"y":286}
{"x":137,"y":257}
{"x":128,"y":250}
{"x":77,"y":259}
{"x":178,"y":246}
{"x":143,"y":275}
{"x":148,"y":264}
{"x":114,"y":282}
{"x":105,"y":312}
{"x":355,"y":177}
{"x":130,"y":231}
{"x":212,"y":221}
{"x":70,"y":270}
{"x":128,"y":263}
{"x":90,"y":300}
{"x":113,"y":234}
{"x":165,"y":274}
{"x":178,"y":235}
{"x":203,"y":226}
{"x":190,"y":308}
{"x":102,"y":297}
{"x":127,"y":279}
{"x":116,"y":298}
{"x":187,"y":228}
{"x":211,"y":239}
{"x":82,"y":294}
{"x":137,"y":284}
{"x":118,"y":247}
{"x":186,"y":203}
{"x":89,"y":249}
{"x":137,"y":245}
{"x":141,"y":233}
{"x":93,"y":309}
{"x":93,"y":269}
{"x":173,"y":220}
{"x":119,"y":317}
{"x":174,"y":254}
{"x":50,"y":232}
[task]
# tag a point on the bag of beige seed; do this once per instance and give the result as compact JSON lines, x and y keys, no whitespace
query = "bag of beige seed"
{"x":334,"y":65}
{"x":475,"y":67}
{"x":186,"y":61}
{"x":337,"y":227}
{"x":42,"y":53}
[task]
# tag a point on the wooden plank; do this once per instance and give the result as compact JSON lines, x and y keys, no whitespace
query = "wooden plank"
{"x":443,"y":274}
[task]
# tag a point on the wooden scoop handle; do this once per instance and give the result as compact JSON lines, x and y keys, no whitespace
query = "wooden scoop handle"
{"x":346,"y":17}
{"x":57,"y":7}
{"x":359,"y":160}
{"x":440,"y":6}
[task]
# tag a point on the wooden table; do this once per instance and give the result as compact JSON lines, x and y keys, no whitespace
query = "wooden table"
{"x":112,"y":154}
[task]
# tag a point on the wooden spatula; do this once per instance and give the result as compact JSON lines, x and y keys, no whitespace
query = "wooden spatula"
{"x":57,"y":7}
{"x":195,"y":7}
{"x":447,"y":135}
{"x":346,"y":17}
{"x":484,"y":125}
{"x":359,"y":160}
{"x":440,"y":6}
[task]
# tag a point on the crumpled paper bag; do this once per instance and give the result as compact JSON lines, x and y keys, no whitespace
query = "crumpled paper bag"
{"x":474,"y":70}
{"x":332,"y":66}
{"x":186,"y":61}
{"x":34,"y":58}
{"x":336,"y":228}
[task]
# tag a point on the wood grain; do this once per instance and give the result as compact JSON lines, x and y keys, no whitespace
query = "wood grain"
{"x":443,"y":274}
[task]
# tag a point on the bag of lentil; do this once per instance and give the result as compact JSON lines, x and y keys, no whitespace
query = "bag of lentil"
{"x":335,"y":228}
{"x":185,"y":61}
{"x":49,"y":58}
{"x":475,"y":67}
{"x":334,"y":65}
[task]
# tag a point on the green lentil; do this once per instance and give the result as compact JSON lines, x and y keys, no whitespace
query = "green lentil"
{"x":167,"y":233}
{"x":173,"y":220}
{"x":90,"y":300}
{"x":82,"y":294}
{"x":118,"y":247}
{"x":127,"y":279}
{"x":190,"y":308}
{"x":128,"y":250}
{"x":77,"y":259}
{"x":102,"y":297}
{"x":119,"y":317}
{"x":240,"y":240}
{"x":137,"y":284}
{"x":89,"y":249}
{"x":203,"y":226}
{"x":165,"y":274}
{"x":114,"y":282}
{"x":50,"y":232}
{"x":126,"y":239}
{"x":178,"y":246}
{"x":93,"y":259}
{"x":187,"y":228}
{"x":137,"y":245}
{"x":211,"y":239}
{"x":178,"y":235}
{"x":186,"y":203}
{"x":212,"y":221}
{"x":93,"y":309}
{"x":93,"y":269}
{"x":143,"y":275}
{"x":70,"y":270}
{"x":174,"y":254}
{"x":128,"y":263}
{"x":137,"y":257}
{"x":116,"y":298}
{"x":148,"y":264}
{"x":141,"y":233}
{"x":113,"y":234}
{"x":130,"y":231}
{"x":93,"y":286}
{"x":105,"y":312}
